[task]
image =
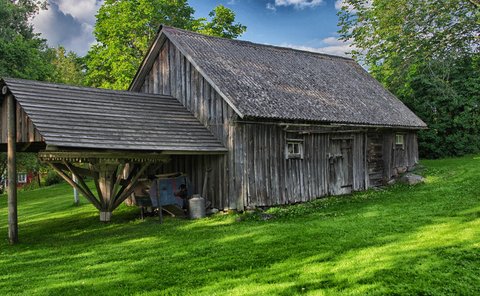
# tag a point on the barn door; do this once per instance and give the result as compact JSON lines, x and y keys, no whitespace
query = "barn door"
{"x":340,"y":159}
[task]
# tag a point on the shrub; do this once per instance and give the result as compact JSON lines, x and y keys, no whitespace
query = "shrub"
{"x":52,"y":178}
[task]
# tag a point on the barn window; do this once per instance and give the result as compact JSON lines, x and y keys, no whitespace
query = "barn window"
{"x":294,"y":148}
{"x":400,"y":141}
{"x":22,"y":178}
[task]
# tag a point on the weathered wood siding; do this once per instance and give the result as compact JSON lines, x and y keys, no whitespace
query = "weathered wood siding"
{"x":385,"y":158}
{"x":375,"y":163}
{"x":26,"y":131}
{"x":264,"y":176}
{"x":172,"y":74}
{"x":396,"y":157}
{"x":195,"y":167}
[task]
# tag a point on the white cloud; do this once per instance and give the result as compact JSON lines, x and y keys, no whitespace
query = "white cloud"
{"x":332,"y":41}
{"x":82,"y":10}
{"x":332,"y":46}
{"x":298,"y":4}
{"x":339,"y":4}
{"x":271,"y":7}
{"x":68,"y":23}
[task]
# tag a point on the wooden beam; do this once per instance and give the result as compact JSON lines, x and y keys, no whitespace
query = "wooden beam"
{"x":12,"y":171}
{"x":199,"y":152}
{"x":81,"y":183}
{"x":127,"y":180}
{"x":73,"y":184}
{"x":24,"y":147}
{"x":95,"y":180}
{"x":80,"y":171}
{"x":131,"y":187}
{"x":119,"y":176}
{"x":103,"y":157}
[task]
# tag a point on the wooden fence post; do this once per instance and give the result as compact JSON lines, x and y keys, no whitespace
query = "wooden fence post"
{"x":12,"y":171}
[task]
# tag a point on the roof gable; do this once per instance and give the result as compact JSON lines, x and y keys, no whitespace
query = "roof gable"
{"x":262,"y":81}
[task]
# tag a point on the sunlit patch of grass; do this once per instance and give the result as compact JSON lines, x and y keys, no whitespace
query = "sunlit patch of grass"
{"x":406,"y":240}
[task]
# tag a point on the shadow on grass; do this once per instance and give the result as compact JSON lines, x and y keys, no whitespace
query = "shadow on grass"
{"x":406,"y":240}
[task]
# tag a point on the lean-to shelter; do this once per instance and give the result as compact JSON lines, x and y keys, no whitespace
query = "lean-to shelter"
{"x":104,"y":130}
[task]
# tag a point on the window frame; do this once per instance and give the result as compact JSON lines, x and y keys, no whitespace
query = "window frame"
{"x":22,"y":178}
{"x":294,"y":143}
{"x":400,"y":144}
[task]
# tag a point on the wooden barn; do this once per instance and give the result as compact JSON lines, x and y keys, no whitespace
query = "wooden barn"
{"x":297,"y":125}
{"x":268,"y":125}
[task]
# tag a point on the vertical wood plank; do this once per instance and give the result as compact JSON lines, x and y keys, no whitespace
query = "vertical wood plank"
{"x":178,"y":76}
{"x":155,"y":77}
{"x":231,"y":171}
{"x":194,"y":91}
{"x":239,"y":168}
{"x":171,"y":70}
{"x":166,"y":69}
{"x":188,"y":84}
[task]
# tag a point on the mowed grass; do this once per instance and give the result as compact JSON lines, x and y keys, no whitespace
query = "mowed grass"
{"x":421,"y":240}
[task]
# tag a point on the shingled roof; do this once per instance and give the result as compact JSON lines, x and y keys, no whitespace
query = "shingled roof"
{"x":262,"y":81}
{"x":80,"y":117}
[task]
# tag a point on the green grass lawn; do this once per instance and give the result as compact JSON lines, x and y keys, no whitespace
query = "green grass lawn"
{"x":421,"y":240}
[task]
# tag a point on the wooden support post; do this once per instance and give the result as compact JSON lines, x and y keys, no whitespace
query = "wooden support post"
{"x":114,"y":183}
{"x":105,"y":179}
{"x":12,"y":171}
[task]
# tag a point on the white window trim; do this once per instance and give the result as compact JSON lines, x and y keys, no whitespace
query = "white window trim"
{"x":300,"y":153}
{"x":400,"y":143}
{"x":21,"y":178}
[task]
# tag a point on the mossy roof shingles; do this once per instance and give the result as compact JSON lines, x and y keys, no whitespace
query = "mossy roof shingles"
{"x":270,"y":82}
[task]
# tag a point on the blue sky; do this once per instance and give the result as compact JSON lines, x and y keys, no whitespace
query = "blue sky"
{"x":303,"y":24}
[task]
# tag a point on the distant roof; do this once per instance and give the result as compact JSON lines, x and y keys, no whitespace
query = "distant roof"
{"x":263,"y":81}
{"x":80,"y":117}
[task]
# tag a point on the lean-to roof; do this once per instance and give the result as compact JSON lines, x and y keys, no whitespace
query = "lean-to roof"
{"x":80,"y":117}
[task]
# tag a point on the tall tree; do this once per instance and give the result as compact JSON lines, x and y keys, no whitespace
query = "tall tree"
{"x":68,"y":67}
{"x":222,"y":24}
{"x":125,"y":28}
{"x":426,"y":52}
{"x":23,"y":54}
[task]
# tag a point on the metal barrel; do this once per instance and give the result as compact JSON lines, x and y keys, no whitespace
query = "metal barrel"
{"x":196,"y":207}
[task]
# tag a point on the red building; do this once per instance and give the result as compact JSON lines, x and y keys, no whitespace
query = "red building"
{"x":23,"y":179}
